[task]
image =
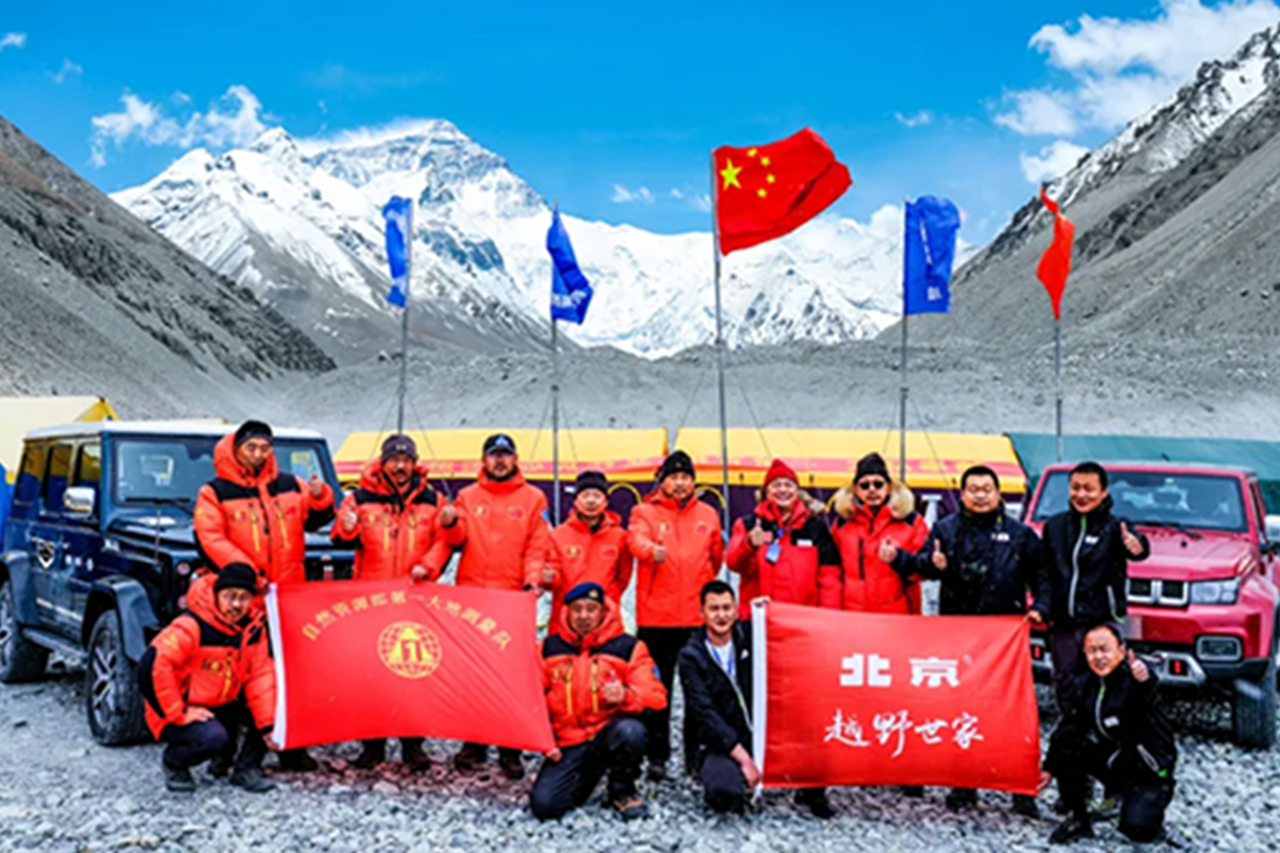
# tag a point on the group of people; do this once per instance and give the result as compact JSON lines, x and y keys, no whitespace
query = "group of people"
{"x":209,"y":686}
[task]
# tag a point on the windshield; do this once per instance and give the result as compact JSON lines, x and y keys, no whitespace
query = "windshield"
{"x":1201,"y":501}
{"x":171,"y":469}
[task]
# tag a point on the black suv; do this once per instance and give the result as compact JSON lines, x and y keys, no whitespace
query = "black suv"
{"x":99,"y":549}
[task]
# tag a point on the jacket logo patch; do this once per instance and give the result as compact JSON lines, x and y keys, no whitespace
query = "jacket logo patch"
{"x":1091,"y":540}
{"x":610,"y":553}
{"x":804,"y":543}
{"x":573,"y":552}
{"x":409,"y":650}
{"x":1000,"y":537}
{"x":481,"y":510}
{"x":702,"y":528}
{"x":515,"y":512}
{"x":1111,"y":722}
{"x":664,"y":527}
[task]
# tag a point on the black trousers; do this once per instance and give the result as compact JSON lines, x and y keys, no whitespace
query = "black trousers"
{"x":1066,"y":647}
{"x":664,"y":646}
{"x":1142,"y":806}
{"x":723,"y":786}
{"x":196,"y":743}
{"x":564,"y":785}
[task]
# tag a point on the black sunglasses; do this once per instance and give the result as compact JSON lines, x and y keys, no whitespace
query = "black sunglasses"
{"x":871,"y":484}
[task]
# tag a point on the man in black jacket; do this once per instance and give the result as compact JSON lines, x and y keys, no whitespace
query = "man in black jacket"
{"x":1088,"y":551}
{"x":1117,"y":733}
{"x":988,"y":563}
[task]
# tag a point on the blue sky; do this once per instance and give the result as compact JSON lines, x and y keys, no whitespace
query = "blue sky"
{"x":610,"y":106}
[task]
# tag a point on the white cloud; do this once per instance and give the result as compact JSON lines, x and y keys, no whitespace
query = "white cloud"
{"x":622,"y":195}
{"x":1053,"y":161}
{"x":235,"y":119}
{"x":676,"y":194}
{"x":701,"y":202}
{"x":18,"y":40}
{"x":68,"y":70}
{"x":180,"y":99}
{"x":1120,"y":68}
{"x":917,"y":120}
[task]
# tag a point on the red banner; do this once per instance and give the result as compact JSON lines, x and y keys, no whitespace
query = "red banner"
{"x":870,"y":699}
{"x":374,"y":659}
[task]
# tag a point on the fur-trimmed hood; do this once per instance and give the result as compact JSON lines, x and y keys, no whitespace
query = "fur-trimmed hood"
{"x":901,"y":503}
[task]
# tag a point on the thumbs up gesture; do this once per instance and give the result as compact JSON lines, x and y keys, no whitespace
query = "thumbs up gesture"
{"x":939,"y":558}
{"x":1138,"y":667}
{"x":758,"y":536}
{"x":888,"y":551}
{"x":448,"y":515}
{"x":614,"y":692}
{"x":349,"y":520}
{"x":1132,"y":543}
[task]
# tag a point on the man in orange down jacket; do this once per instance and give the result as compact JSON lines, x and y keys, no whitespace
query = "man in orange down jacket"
{"x":252,"y":515}
{"x":590,"y":546}
{"x":206,"y":673}
{"x":500,"y":523}
{"x":679,"y":546}
{"x":597,"y":680}
{"x":390,"y":520}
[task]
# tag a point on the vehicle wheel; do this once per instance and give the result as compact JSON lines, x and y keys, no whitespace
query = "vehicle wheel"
{"x":20,"y":659}
{"x":112,"y":698}
{"x":1253,"y":710}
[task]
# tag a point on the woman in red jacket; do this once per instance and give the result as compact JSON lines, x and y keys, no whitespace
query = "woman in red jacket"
{"x":874,"y":510}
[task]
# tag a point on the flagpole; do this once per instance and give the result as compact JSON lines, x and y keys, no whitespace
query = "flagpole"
{"x":404,"y":324}
{"x":1057,"y":372}
{"x":555,"y":422}
{"x":902,"y":405}
{"x":724,"y":416}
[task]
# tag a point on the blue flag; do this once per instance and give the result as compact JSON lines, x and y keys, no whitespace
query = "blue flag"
{"x":928,"y":253}
{"x":570,"y":291}
{"x":399,"y":215}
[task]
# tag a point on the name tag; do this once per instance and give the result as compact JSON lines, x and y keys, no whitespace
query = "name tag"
{"x":1091,"y":540}
{"x":1111,"y":722}
{"x":804,"y":543}
{"x":1000,"y":537}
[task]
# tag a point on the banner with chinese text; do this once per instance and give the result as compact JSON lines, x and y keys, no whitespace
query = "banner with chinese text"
{"x":872,"y":699}
{"x":357,"y":660}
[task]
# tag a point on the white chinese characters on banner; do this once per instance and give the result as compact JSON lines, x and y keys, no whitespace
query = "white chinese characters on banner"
{"x":896,"y":725}
{"x":873,"y":670}
{"x":932,"y":671}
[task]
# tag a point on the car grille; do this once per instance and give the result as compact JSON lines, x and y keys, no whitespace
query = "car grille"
{"x":1158,"y":593}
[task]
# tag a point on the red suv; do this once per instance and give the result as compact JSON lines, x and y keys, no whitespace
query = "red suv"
{"x":1205,"y":604}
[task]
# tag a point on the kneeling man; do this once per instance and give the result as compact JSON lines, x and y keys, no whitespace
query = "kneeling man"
{"x":597,"y":679}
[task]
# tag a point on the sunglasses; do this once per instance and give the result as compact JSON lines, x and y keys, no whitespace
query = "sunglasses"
{"x":871,"y":484}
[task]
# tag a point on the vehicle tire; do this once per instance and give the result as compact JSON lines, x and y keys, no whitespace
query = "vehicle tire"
{"x":20,"y":659}
{"x":1253,"y":710}
{"x":113,"y":702}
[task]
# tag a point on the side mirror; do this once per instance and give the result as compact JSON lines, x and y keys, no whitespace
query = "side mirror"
{"x":79,"y":500}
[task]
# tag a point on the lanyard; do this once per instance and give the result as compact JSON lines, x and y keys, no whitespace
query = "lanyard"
{"x":728,"y":665}
{"x":729,"y":668}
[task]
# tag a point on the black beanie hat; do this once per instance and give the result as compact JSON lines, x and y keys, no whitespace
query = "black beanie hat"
{"x":236,"y":576}
{"x":872,"y":463}
{"x":252,"y":429}
{"x":677,"y":463}
{"x":399,"y":445}
{"x":591,"y":480}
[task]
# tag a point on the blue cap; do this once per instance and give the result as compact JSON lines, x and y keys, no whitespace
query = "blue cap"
{"x":589,"y":590}
{"x":499,"y":443}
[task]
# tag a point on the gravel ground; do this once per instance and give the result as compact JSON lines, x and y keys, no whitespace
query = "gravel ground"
{"x":59,"y":791}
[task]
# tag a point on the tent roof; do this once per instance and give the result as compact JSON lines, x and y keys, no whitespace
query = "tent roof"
{"x":622,"y":454}
{"x":826,"y":458}
{"x":21,"y":415}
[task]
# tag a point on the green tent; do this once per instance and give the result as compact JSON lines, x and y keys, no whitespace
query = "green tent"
{"x":1038,"y":450}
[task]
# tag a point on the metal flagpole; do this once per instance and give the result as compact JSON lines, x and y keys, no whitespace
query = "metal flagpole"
{"x":1057,"y":372}
{"x":902,"y":412}
{"x":404,"y":323}
{"x":724,"y":416}
{"x":555,"y":421}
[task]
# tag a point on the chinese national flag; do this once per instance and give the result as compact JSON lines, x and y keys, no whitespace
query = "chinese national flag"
{"x":357,"y":660}
{"x":879,"y":699}
{"x":766,"y":191}
{"x":1055,"y":263}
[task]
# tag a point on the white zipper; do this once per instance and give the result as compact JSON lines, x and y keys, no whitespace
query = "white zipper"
{"x":1111,"y":599}
{"x":1075,"y":569}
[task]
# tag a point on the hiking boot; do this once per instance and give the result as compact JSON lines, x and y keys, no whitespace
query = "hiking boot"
{"x":297,"y":761}
{"x":471,"y":756}
{"x":1071,"y":829}
{"x":916,"y":791}
{"x":252,"y":781}
{"x":962,"y":799}
{"x":414,"y":757}
{"x":631,"y":809}
{"x":220,"y":766}
{"x":371,"y":755}
{"x":511,"y":766}
{"x":179,"y":781}
{"x":1026,"y":806}
{"x":815,"y":800}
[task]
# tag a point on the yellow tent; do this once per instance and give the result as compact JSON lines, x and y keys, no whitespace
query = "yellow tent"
{"x":825,"y":458}
{"x":21,"y":415}
{"x":627,"y":455}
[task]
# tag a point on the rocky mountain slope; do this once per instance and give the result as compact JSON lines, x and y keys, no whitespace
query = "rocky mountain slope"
{"x":93,"y":301}
{"x":298,"y":221}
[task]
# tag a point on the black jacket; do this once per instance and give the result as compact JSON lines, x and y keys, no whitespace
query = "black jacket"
{"x":993,"y":561}
{"x":710,"y":703}
{"x":1088,"y":566}
{"x":1123,"y":719}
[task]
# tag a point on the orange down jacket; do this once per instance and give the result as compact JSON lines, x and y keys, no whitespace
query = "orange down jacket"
{"x":578,"y":554}
{"x":807,"y":569}
{"x":667,"y":593}
{"x":575,"y":669}
{"x":502,"y":530}
{"x":202,"y":659}
{"x":868,"y":584}
{"x":258,"y":521}
{"x":396,"y":531}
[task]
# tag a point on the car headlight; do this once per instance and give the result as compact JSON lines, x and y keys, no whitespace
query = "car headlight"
{"x":1215,"y":592}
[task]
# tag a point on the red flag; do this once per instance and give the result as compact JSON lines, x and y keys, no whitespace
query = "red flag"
{"x":766,"y":191}
{"x":357,"y":660}
{"x":1055,"y":263}
{"x":874,"y":699}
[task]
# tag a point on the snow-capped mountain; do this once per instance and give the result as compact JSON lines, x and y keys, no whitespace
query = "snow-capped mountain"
{"x":299,"y":221}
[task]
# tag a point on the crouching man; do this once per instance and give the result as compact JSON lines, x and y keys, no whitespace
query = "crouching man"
{"x":597,"y":679}
{"x":207,"y":674}
{"x":1117,"y":733}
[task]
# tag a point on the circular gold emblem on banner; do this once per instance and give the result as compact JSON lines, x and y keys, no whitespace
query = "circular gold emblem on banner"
{"x":409,"y":650}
